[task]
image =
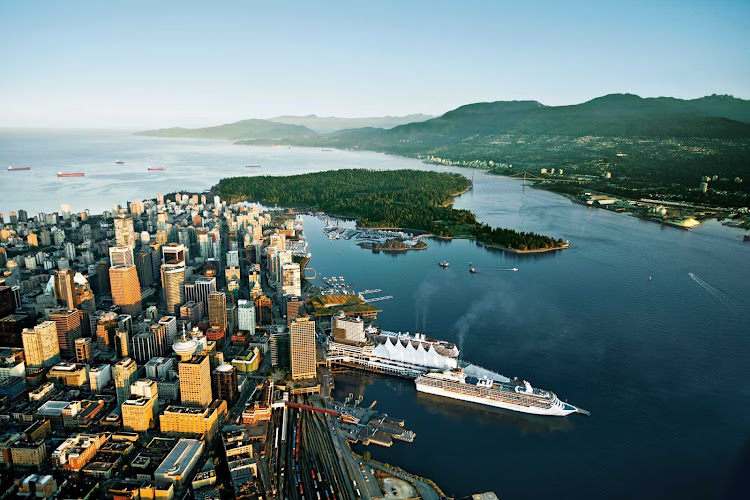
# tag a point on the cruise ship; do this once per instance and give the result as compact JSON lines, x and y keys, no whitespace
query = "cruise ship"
{"x":456,"y":384}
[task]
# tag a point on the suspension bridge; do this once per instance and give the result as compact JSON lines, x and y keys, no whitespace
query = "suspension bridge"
{"x":533,"y":177}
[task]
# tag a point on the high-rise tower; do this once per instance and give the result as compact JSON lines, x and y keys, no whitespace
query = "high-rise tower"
{"x":302,"y":344}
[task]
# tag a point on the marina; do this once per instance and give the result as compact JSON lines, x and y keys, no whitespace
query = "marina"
{"x":558,"y":320}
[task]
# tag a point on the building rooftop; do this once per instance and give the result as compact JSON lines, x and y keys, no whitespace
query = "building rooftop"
{"x":180,"y":458}
{"x":326,"y":305}
{"x":52,"y":408}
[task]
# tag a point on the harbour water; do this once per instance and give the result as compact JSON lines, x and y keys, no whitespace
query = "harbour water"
{"x":662,"y":365}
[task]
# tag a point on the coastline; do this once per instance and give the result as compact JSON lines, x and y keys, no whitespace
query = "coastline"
{"x":513,"y":250}
{"x":375,"y":247}
{"x":456,"y":195}
{"x":718,"y":213}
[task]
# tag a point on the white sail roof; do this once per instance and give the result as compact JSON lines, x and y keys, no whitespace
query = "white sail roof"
{"x":394,"y":350}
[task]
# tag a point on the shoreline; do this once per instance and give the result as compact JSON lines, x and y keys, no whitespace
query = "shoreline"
{"x":667,"y":223}
{"x":513,"y":250}
{"x":375,"y":247}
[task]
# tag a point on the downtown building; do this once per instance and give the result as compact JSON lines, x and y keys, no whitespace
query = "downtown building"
{"x":40,"y":346}
{"x":173,"y":276}
{"x":302,"y":348}
{"x":68,"y":323}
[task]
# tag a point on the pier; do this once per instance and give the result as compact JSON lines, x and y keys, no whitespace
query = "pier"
{"x":365,"y":425}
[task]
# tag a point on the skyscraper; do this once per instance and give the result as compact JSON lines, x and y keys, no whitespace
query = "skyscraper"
{"x":84,"y":295}
{"x":65,"y":288}
{"x":302,"y":344}
{"x":140,"y":410}
{"x":145,"y":346}
{"x":124,"y":232}
{"x":125,"y":373}
{"x":7,"y":301}
{"x":120,"y":256}
{"x":204,"y":286}
{"x":191,"y":311}
{"x":106,"y":326}
{"x":279,"y":350}
{"x":144,"y":266}
{"x":224,"y":383}
{"x":170,"y":327}
{"x":291,"y":282}
{"x":40,"y":345}
{"x":83,"y":350}
{"x":122,"y":343}
{"x":69,"y":329}
{"x":246,"y":315}
{"x":173,"y":276}
{"x":126,"y":290}
{"x":217,"y":309}
{"x":195,"y":381}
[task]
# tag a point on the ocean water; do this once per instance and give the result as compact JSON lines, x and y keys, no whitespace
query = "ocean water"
{"x":662,"y":365}
{"x":191,"y":165}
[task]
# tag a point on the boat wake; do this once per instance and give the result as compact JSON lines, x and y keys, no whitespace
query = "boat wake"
{"x":721,"y":296}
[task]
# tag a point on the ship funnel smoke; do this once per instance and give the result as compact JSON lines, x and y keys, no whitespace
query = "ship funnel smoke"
{"x":422,"y":297}
{"x":471,"y":317}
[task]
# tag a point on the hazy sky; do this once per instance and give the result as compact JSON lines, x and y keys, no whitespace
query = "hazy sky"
{"x":157,"y":63}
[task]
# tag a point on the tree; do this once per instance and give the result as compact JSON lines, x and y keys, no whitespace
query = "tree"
{"x":366,"y":456}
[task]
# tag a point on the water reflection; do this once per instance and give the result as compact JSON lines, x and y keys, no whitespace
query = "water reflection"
{"x":456,"y":410}
{"x":370,"y":386}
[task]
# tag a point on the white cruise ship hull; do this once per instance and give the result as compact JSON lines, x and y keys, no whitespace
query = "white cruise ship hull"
{"x":552,"y":411}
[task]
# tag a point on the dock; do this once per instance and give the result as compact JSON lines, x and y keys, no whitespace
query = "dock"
{"x":367,"y":426}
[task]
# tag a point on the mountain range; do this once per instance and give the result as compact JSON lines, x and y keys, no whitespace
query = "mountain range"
{"x":285,"y":127}
{"x":245,"y":129}
{"x":330,"y":124}
{"x":613,"y":115}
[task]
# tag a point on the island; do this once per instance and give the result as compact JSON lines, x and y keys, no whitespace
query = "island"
{"x":393,"y":245}
{"x":405,"y":199}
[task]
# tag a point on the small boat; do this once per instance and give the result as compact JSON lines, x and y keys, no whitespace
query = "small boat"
{"x":157,"y":168}
{"x":120,"y":162}
{"x":444,"y":263}
{"x":253,"y":165}
{"x":746,"y":237}
{"x":72,"y":174}
{"x":16,"y":169}
{"x":515,"y":269}
{"x":472,"y":270}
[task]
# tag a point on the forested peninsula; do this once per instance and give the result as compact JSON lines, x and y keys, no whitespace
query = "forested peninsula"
{"x":409,"y":199}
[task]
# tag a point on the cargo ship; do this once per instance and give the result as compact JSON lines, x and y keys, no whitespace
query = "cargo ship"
{"x":16,"y":169}
{"x":72,"y":174}
{"x":253,"y":165}
{"x":156,"y":168}
{"x":120,"y":162}
{"x":521,"y":397}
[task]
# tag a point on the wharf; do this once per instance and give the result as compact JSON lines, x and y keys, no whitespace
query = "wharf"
{"x":365,"y":425}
